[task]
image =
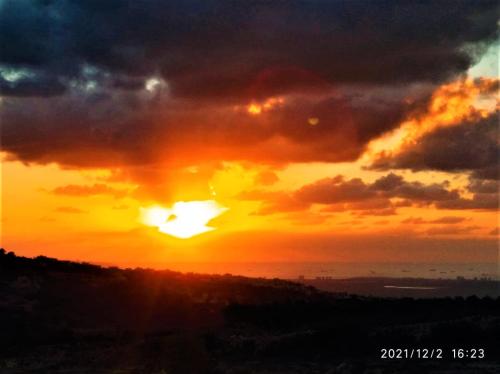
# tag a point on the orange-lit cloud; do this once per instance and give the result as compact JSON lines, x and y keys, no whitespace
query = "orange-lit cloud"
{"x":266,"y":178}
{"x":69,"y":209}
{"x":443,"y":220}
{"x":95,"y":189}
{"x":380,"y":198}
{"x":269,"y":104}
{"x":465,"y":100}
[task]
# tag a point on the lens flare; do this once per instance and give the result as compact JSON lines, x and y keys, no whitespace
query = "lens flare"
{"x":184,"y":219}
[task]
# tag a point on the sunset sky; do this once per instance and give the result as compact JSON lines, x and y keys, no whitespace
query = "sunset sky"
{"x":148,"y":132}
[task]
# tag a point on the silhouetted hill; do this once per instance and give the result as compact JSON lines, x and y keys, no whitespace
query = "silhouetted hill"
{"x":66,"y":317}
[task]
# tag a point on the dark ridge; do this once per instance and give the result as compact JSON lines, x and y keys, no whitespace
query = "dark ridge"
{"x":67,"y":317}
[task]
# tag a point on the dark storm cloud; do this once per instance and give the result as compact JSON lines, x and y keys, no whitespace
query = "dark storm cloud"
{"x":335,"y":190}
{"x":382,"y":197}
{"x":483,"y":186}
{"x":338,"y":190}
{"x":35,"y":85}
{"x":77,"y":88}
{"x":93,"y":126}
{"x":471,"y":146}
{"x":227,"y":48}
{"x":451,"y":230}
{"x":443,"y":220}
{"x":479,"y":201}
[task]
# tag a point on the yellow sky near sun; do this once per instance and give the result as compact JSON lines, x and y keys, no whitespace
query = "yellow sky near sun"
{"x":97,"y":227}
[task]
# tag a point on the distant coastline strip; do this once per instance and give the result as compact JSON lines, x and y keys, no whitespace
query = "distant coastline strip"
{"x":413,"y":287}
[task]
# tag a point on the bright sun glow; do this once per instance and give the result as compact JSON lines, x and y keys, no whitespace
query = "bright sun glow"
{"x":184,"y":219}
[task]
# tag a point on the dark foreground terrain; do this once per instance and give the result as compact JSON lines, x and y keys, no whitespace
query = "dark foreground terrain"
{"x":65,"y":317}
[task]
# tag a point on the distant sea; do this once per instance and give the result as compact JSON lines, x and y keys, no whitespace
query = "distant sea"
{"x":311,"y":270}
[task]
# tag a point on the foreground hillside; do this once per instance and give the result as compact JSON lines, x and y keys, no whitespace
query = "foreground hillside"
{"x":66,"y":317}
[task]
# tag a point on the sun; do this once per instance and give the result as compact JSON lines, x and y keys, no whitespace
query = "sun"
{"x":184,"y":219}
